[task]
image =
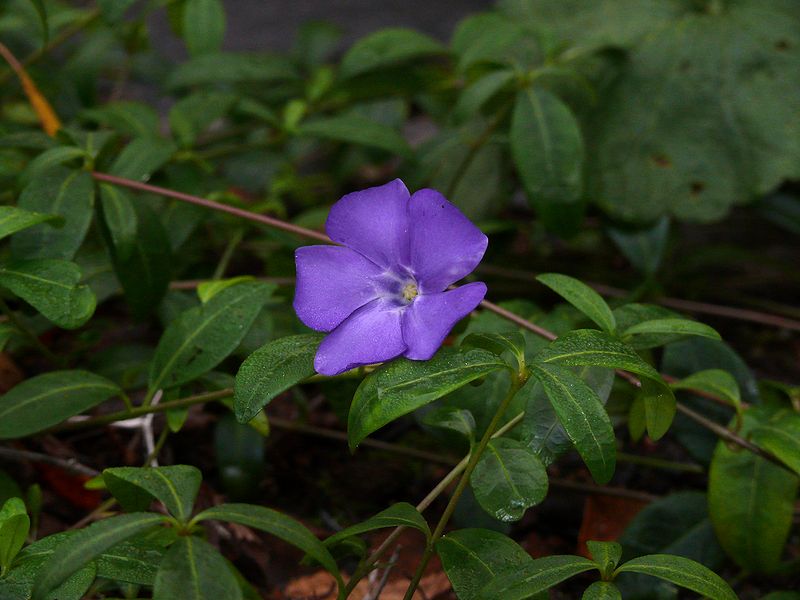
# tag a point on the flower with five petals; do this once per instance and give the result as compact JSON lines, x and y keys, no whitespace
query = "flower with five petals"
{"x":382,"y":293}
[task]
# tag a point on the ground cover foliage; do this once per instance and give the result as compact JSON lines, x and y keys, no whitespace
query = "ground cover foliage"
{"x":620,"y":417}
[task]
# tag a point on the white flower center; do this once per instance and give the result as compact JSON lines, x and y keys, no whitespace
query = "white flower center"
{"x":410,"y":292}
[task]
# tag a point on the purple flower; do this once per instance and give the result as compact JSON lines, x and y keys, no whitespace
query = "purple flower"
{"x":382,"y":293}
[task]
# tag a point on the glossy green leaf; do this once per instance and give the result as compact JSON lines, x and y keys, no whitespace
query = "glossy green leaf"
{"x":175,"y":486}
{"x":277,"y":524}
{"x":230,"y":67}
{"x":508,"y":479}
{"x":633,"y":313}
{"x":606,"y":555}
{"x":48,"y":399}
{"x":205,"y":335}
{"x":602,"y":590}
{"x":583,"y":417}
{"x":354,"y":129}
{"x":403,"y":386}
{"x":203,"y":26}
{"x":781,"y":436}
{"x":582,"y":297}
{"x":14,"y":219}
{"x":547,"y":148}
{"x":134,"y":561}
{"x":387,"y":47}
{"x":672,"y":326}
{"x":713,"y":381}
{"x":683,"y":572}
{"x":120,"y":218}
{"x":751,"y":502}
{"x":535,"y":577}
{"x":273,"y":369}
{"x":401,"y":514}
{"x":85,"y":545}
{"x":659,"y":408}
{"x":455,"y":419}
{"x":142,"y":157}
{"x":52,"y":287}
{"x":68,"y":194}
{"x":194,"y":569}
{"x":471,"y":557}
{"x":499,"y":343}
{"x":14,"y":526}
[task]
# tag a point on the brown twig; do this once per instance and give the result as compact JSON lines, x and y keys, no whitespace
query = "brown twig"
{"x":70,"y":465}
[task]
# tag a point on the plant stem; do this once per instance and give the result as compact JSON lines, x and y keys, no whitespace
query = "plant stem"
{"x":19,"y":324}
{"x":474,"y":457}
{"x":659,"y":463}
{"x":227,"y":254}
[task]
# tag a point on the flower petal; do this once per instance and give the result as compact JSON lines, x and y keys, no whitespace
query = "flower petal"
{"x":373,"y":222}
{"x":428,"y":320}
{"x":371,"y":334}
{"x":444,"y":245}
{"x":332,"y":282}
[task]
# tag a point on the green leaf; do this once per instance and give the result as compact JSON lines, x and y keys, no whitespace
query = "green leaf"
{"x":508,"y":479}
{"x":82,"y":547}
{"x":455,"y":419}
{"x":52,"y":287}
{"x":386,"y":48}
{"x":240,"y":456}
{"x":176,"y":487}
{"x":499,"y":343}
{"x":537,"y":576}
{"x":208,"y":289}
{"x":606,"y":555}
{"x":751,"y":501}
{"x":42,"y":12}
{"x":354,"y":129}
{"x":134,"y":561}
{"x":491,"y":38}
{"x":644,"y":248}
{"x":602,"y":590}
{"x":69,"y":194}
{"x":114,"y":10}
{"x":205,"y":335}
{"x":193,"y":568}
{"x":191,"y":116}
{"x":277,"y":524}
{"x":474,"y":96}
{"x":144,"y":270}
{"x":128,"y":118}
{"x":781,"y":437}
{"x":14,"y":219}
{"x":120,"y":218}
{"x":583,"y":417}
{"x":401,"y":514}
{"x":659,"y":408}
{"x":547,"y":149}
{"x":203,"y":26}
{"x":229,"y":67}
{"x":403,"y":386}
{"x":713,"y":381}
{"x":48,"y":399}
{"x":471,"y":557}
{"x":672,"y":326}
{"x":683,"y":572}
{"x":47,"y":160}
{"x":723,"y":131}
{"x":14,"y":526}
{"x":271,"y":370}
{"x":631,"y":314}
{"x":142,"y":157}
{"x":582,"y":297}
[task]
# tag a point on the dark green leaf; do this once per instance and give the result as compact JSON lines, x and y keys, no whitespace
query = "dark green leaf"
{"x":659,"y":408}
{"x":82,"y":547}
{"x":499,"y":343}
{"x":508,"y":479}
{"x":583,"y":417}
{"x":191,"y":116}
{"x":781,"y":437}
{"x":194,"y":569}
{"x":114,"y":10}
{"x":401,"y":514}
{"x":134,"y":561}
{"x":471,"y":557}
{"x":751,"y":502}
{"x":644,"y":248}
{"x":240,"y":457}
{"x":490,"y":38}
{"x":52,"y":287}
{"x":358,"y":130}
{"x":537,"y":576}
{"x":403,"y":386}
{"x":473,"y":97}
{"x":582,"y":297}
{"x":203,"y":26}
{"x":547,"y":149}
{"x":602,"y":590}
{"x":142,"y":157}
{"x":387,"y":47}
{"x":47,"y":160}
{"x":175,"y":486}
{"x":606,"y":555}
{"x":713,"y":381}
{"x":631,"y":314}
{"x":13,"y":219}
{"x":14,"y":526}
{"x":69,"y":194}
{"x":42,"y":12}
{"x":455,"y":419}
{"x":204,"y":336}
{"x":683,"y":572}
{"x":130,"y":118}
{"x":672,"y":326}
{"x":46,"y":400}
{"x":229,"y":67}
{"x":271,"y":370}
{"x":276,"y":524}
{"x":120,"y":218}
